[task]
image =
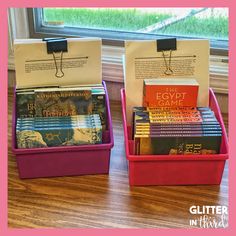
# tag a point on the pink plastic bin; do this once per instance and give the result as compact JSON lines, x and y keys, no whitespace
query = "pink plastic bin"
{"x":175,"y":169}
{"x":65,"y":161}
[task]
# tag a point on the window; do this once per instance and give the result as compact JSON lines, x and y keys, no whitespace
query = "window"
{"x":115,"y":25}
{"x":38,"y":23}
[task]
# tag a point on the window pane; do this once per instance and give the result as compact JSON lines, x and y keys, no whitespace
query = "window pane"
{"x":198,"y":22}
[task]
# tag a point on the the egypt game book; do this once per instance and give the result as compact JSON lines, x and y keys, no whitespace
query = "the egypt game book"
{"x":170,"y":92}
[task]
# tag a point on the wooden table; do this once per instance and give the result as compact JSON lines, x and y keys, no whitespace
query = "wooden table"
{"x":103,"y":201}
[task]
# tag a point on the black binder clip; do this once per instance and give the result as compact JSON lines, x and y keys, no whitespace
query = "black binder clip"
{"x":57,"y":45}
{"x":167,"y":45}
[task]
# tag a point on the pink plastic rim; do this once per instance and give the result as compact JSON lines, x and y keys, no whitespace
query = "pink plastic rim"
{"x":222,"y":156}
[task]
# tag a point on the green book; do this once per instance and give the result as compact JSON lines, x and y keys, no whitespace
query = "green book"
{"x":63,"y":103}
{"x":25,"y":104}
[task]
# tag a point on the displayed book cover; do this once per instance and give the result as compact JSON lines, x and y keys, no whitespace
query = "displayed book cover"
{"x":63,"y":103}
{"x":170,"y":92}
{"x":25,"y":100}
{"x":35,"y":134}
{"x":190,"y":145}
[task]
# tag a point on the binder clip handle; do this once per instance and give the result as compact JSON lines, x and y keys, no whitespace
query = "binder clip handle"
{"x":163,"y":45}
{"x":166,"y":44}
{"x":57,"y":45}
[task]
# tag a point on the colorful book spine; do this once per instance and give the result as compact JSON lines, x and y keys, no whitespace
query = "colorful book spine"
{"x":99,"y":107}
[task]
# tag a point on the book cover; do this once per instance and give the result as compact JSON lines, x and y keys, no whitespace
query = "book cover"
{"x":39,"y":134}
{"x":192,"y":145}
{"x":63,"y":103}
{"x":170,"y":93}
{"x":26,"y":101}
{"x":62,"y":136}
{"x":25,"y":104}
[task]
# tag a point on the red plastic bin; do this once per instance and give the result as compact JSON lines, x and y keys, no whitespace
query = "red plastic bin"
{"x":65,"y":161}
{"x":175,"y":169}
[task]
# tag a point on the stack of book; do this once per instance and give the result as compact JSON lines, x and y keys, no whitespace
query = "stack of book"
{"x":174,"y":129}
{"x":37,"y":132}
{"x":59,"y":106}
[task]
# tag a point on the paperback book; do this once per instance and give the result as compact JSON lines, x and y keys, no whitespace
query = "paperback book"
{"x":176,"y":131}
{"x":62,"y":102}
{"x":170,"y":92}
{"x":35,"y":134}
{"x":178,"y":145}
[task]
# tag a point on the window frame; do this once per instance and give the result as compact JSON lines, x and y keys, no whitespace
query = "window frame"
{"x":37,"y":30}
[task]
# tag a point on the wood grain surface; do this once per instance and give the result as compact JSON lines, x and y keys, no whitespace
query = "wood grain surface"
{"x":103,"y":201}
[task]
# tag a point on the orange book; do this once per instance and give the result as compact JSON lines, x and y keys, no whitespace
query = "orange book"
{"x":170,"y":92}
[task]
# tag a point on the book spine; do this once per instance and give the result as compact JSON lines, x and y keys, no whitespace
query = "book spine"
{"x":99,"y":107}
{"x":177,"y":132}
